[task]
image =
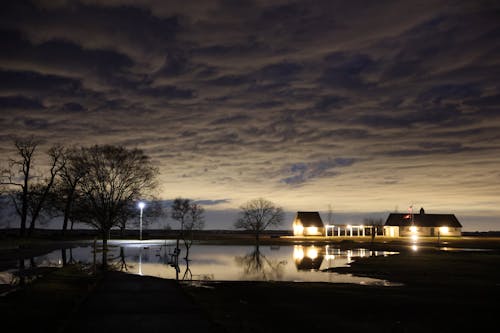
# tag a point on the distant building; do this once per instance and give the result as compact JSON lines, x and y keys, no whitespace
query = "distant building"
{"x":308,"y":224}
{"x":422,"y":224}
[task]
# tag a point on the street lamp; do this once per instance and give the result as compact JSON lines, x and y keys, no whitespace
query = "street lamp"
{"x":141,"y":207}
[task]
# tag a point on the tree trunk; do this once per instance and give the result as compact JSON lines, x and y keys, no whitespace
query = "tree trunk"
{"x":67,"y":210}
{"x":104,"y":264}
{"x":24,"y":209}
{"x":63,"y":257}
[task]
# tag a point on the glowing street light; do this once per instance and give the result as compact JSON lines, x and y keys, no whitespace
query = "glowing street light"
{"x":141,"y":207}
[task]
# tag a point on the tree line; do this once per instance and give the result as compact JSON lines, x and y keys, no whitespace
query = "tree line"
{"x":100,"y":186}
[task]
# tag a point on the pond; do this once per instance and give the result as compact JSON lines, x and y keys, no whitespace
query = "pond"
{"x":295,"y":263}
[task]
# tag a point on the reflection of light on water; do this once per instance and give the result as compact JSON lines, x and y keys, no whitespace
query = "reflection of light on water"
{"x":414,"y":247}
{"x":218,"y":262}
{"x":312,"y":253}
{"x":414,"y":238}
{"x":298,"y":252}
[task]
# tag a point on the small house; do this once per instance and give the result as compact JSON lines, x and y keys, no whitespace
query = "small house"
{"x":422,"y":224}
{"x":308,"y":224}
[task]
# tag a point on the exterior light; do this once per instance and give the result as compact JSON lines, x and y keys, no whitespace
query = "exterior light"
{"x":444,"y":230}
{"x":298,"y":230}
{"x":312,"y":230}
{"x":141,"y":207}
{"x":413,"y":229}
{"x":414,"y":238}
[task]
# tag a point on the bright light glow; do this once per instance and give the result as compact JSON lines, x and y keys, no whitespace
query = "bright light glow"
{"x":141,"y":205}
{"x":312,"y":252}
{"x":298,"y":230}
{"x":413,"y":229}
{"x":444,"y":230}
{"x":414,"y":238}
{"x":312,"y":230}
{"x":349,"y":226}
{"x":414,"y":248}
{"x":298,"y":252}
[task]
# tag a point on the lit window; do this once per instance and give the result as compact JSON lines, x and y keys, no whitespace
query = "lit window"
{"x":298,"y":230}
{"x":312,"y":230}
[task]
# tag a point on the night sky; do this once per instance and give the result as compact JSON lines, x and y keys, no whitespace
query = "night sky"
{"x":369,"y":106}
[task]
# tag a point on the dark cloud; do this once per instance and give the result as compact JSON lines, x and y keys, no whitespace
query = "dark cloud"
{"x":261,"y":95}
{"x":20,"y":102}
{"x":305,"y":171}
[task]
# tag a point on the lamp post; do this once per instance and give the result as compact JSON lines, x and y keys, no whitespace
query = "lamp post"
{"x":141,"y":207}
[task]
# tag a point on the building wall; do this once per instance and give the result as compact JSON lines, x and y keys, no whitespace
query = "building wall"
{"x":429,"y":231}
{"x":390,"y":231}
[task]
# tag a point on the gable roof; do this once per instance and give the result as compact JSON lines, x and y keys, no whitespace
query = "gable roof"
{"x":423,"y":220}
{"x":310,"y":219}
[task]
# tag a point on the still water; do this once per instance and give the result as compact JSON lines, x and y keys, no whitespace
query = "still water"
{"x":296,"y":263}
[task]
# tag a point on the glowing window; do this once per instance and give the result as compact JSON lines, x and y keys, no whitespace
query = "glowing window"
{"x":312,"y":230}
{"x":298,"y":230}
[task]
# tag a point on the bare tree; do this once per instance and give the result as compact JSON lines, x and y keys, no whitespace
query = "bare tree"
{"x":191,"y":217}
{"x":18,"y":177}
{"x":114,"y":178}
{"x":330,"y":215}
{"x":259,"y":214}
{"x":38,"y":202}
{"x":195,"y":221}
{"x":179,"y":211}
{"x":70,"y":175}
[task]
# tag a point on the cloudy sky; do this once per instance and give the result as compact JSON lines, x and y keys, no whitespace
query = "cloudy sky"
{"x":367,"y":106}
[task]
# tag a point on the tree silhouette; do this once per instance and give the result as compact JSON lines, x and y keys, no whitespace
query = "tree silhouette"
{"x":257,"y":215}
{"x":114,"y":178}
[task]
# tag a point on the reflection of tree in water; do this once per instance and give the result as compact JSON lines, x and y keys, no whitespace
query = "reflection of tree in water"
{"x":259,"y":267}
{"x":122,"y":264}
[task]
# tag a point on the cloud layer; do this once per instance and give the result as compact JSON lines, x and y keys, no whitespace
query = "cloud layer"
{"x":362,"y":105}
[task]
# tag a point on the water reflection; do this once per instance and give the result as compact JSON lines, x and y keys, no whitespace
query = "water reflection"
{"x":307,"y":258}
{"x":210,"y":262}
{"x":256,"y":266}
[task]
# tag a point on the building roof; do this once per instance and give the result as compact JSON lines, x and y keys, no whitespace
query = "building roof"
{"x":423,"y":220}
{"x":310,"y":219}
